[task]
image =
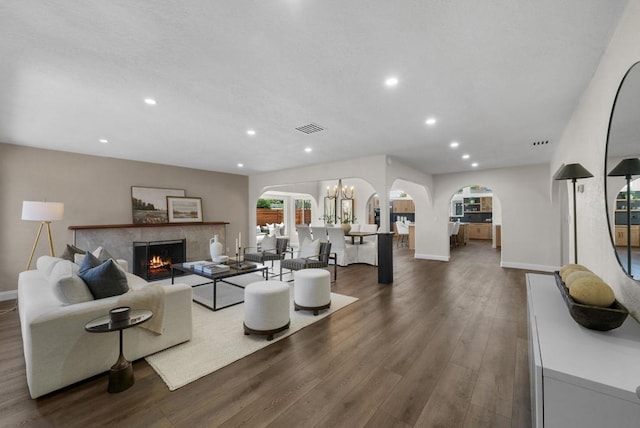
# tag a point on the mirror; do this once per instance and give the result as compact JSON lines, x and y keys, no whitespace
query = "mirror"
{"x":329,"y":210}
{"x":623,"y":142}
{"x":346,"y":212}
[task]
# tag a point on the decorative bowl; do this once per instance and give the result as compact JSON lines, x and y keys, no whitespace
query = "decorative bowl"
{"x":220,"y":259}
{"x":592,"y":317}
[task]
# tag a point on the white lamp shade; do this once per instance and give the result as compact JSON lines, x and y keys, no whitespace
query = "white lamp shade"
{"x":42,"y":211}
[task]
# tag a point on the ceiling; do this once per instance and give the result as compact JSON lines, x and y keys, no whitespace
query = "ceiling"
{"x":498,"y":75}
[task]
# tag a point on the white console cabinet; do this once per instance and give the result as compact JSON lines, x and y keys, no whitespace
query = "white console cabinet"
{"x":579,"y":377}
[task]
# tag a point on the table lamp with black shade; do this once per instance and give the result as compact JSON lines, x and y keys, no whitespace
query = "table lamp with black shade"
{"x":573,"y":172}
{"x":627,"y":168}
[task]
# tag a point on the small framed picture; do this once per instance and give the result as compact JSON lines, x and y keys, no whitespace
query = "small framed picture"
{"x":149,"y":204}
{"x":184,"y":209}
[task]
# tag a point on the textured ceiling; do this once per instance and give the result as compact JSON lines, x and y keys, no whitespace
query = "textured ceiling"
{"x":498,"y":75}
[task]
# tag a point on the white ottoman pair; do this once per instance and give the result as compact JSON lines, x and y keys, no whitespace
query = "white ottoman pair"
{"x":266,"y":308}
{"x":312,"y":290}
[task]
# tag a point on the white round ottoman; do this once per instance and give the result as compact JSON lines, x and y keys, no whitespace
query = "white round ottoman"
{"x":311,"y":290}
{"x":266,"y":308}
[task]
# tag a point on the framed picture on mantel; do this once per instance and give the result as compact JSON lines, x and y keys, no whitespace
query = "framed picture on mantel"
{"x":149,"y":204}
{"x":184,"y":210}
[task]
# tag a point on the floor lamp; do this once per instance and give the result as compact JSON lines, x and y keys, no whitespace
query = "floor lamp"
{"x":45,"y":213}
{"x":627,"y":168}
{"x":572,"y":172}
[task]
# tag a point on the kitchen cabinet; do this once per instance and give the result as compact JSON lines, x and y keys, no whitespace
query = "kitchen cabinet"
{"x":480,"y":231}
{"x":621,"y":201}
{"x":620,"y":237}
{"x":579,"y":377}
{"x":483,"y":204}
{"x":400,"y":206}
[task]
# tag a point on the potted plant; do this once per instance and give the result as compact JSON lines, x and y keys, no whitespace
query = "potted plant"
{"x":347,"y":220}
{"x":328,"y":219}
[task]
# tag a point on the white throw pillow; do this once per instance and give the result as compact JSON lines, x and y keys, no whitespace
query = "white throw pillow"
{"x":45,"y":264}
{"x":269,"y":243}
{"x":355,"y":227}
{"x":67,"y":285}
{"x":309,"y":248}
{"x":102,"y":254}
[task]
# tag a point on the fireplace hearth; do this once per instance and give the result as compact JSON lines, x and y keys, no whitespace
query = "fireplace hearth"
{"x":153,"y":259}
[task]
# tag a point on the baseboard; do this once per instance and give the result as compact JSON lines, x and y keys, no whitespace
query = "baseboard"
{"x":528,"y":266}
{"x":8,"y":295}
{"x":431,"y":257}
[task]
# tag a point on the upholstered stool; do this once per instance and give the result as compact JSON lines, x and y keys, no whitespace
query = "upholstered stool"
{"x":266,"y":308}
{"x":311,"y":290}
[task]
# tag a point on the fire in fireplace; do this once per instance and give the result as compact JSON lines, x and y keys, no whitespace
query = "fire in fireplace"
{"x":153,"y":259}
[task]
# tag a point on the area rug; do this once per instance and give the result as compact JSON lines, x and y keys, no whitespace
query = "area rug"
{"x":218,"y":340}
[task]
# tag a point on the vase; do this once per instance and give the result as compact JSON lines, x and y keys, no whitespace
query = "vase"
{"x":215,"y":247}
{"x":346,"y":227}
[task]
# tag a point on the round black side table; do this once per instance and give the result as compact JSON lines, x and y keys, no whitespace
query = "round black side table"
{"x":121,"y":373}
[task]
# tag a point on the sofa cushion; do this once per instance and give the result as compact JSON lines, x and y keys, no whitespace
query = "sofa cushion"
{"x":70,"y":252}
{"x":105,"y":280}
{"x":45,"y":264}
{"x":309,"y":248}
{"x":68,"y":287}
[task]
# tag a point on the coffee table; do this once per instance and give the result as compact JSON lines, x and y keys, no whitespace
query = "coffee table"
{"x":121,"y":373}
{"x":217,"y":279}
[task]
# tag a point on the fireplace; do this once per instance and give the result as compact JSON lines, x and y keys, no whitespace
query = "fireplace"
{"x":153,"y":259}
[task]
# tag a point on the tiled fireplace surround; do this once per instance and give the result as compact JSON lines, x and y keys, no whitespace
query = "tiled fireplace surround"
{"x":118,"y":239}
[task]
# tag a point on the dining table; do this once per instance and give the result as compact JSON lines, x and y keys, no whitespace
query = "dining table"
{"x":353,"y":236}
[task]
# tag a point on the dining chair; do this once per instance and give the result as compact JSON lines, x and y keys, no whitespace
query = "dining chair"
{"x":453,"y":234}
{"x":403,"y":234}
{"x":303,"y":232}
{"x":346,"y":254}
{"x":368,"y":250}
{"x":320,"y":232}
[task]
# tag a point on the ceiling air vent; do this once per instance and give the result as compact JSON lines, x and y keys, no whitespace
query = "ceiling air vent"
{"x":310,"y":128}
{"x":540,"y":143}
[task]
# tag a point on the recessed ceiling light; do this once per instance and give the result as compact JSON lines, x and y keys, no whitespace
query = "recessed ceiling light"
{"x":392,"y":81}
{"x":475,"y":164}
{"x":308,"y":149}
{"x":251,"y":132}
{"x":103,"y":141}
{"x":465,"y":156}
{"x":150,"y":101}
{"x":430,"y":121}
{"x":454,"y":144}
{"x":240,"y":165}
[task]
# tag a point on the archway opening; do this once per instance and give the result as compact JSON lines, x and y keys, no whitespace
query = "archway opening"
{"x":475,"y":216}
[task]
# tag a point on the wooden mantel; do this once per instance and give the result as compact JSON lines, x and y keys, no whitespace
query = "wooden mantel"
{"x":126,"y":226}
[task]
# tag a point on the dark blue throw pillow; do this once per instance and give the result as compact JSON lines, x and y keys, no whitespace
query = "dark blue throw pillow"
{"x":89,"y":261}
{"x":104,"y":280}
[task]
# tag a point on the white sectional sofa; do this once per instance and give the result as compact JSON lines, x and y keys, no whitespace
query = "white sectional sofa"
{"x":57,"y":349}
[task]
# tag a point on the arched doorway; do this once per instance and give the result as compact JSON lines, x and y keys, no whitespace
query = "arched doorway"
{"x":475,"y":215}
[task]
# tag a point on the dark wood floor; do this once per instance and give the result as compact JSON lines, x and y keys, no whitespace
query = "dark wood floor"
{"x":444,"y":346}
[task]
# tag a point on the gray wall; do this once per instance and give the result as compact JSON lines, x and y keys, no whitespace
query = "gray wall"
{"x":96,"y":190}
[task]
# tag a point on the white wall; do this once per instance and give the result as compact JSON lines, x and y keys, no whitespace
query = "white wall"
{"x":96,"y":191}
{"x":530,"y":227}
{"x":378,"y":171}
{"x":584,"y":141}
